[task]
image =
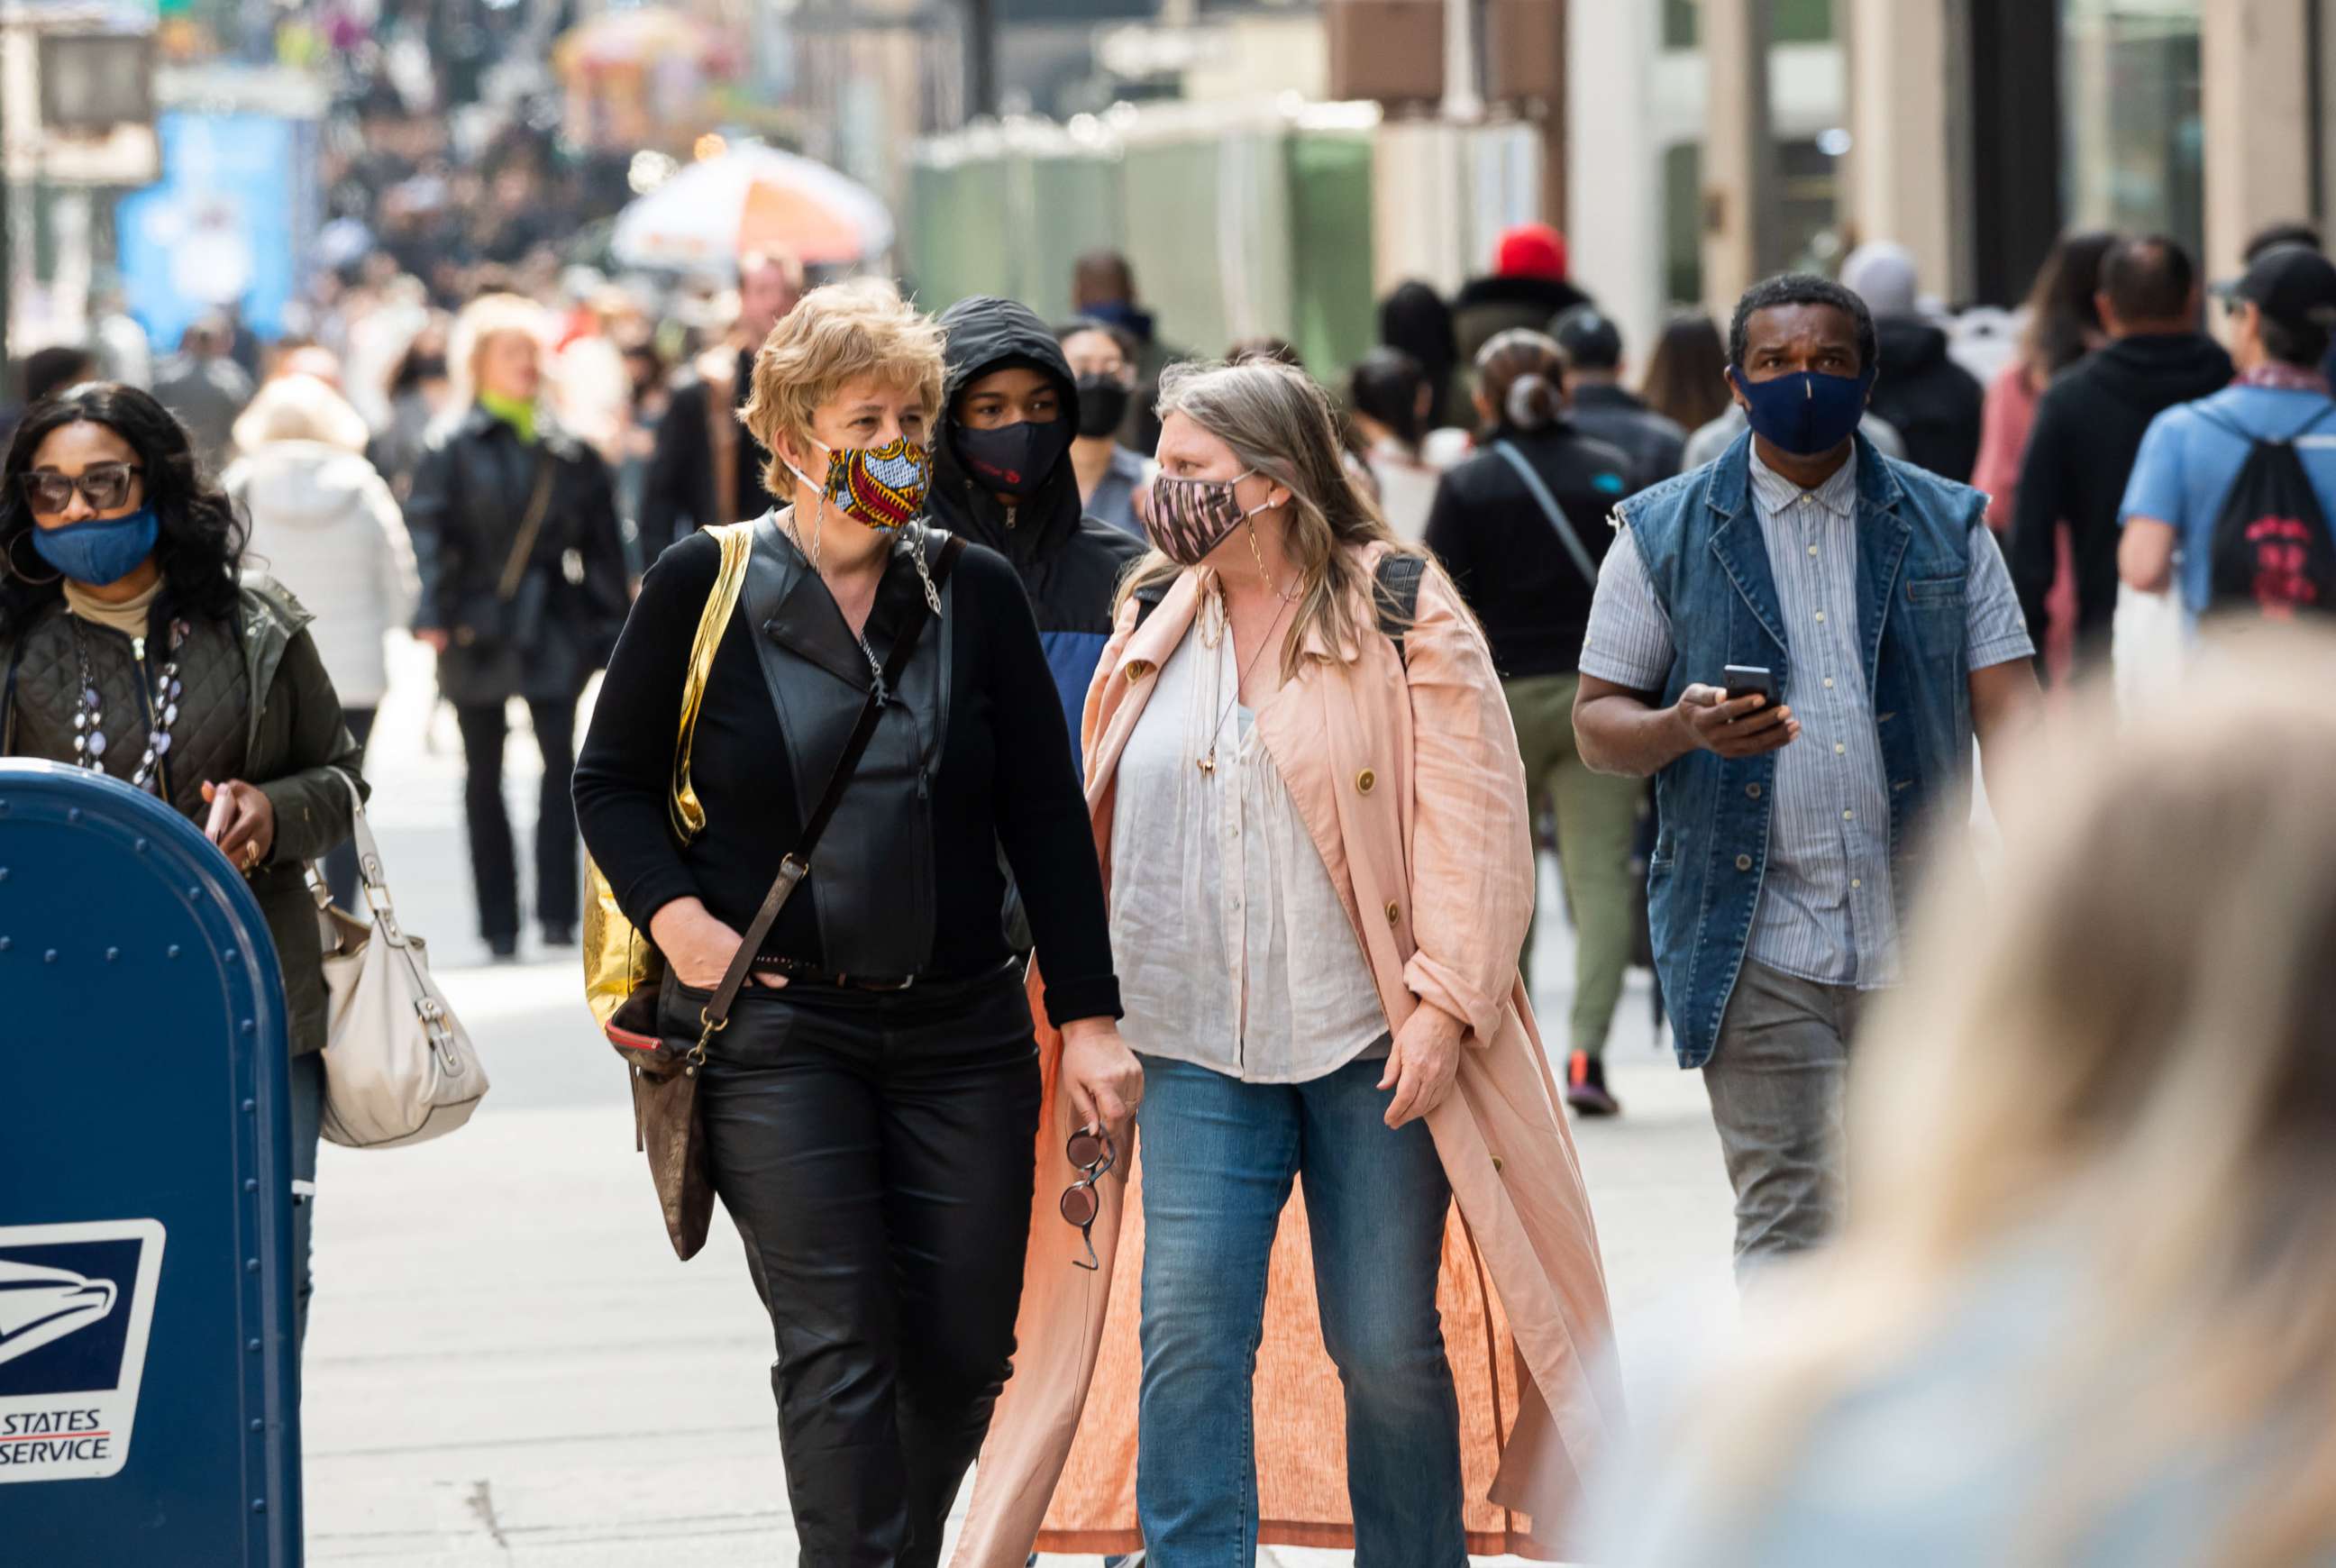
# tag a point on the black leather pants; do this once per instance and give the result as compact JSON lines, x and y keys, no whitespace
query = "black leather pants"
{"x":875,"y":1151}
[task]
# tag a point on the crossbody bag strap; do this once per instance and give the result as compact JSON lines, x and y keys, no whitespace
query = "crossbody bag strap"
{"x":797,"y":865}
{"x":531,"y":525}
{"x":1550,"y":509}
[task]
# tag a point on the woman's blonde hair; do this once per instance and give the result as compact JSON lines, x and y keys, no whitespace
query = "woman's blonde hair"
{"x":1280,"y":423}
{"x":841,"y":333}
{"x":299,"y":408}
{"x":489,"y":316}
{"x":2125,"y":1049}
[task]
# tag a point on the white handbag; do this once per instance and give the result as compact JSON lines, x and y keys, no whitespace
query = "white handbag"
{"x":399,"y":1067}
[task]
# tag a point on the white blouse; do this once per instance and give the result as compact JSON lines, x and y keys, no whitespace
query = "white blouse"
{"x":1234,"y":951}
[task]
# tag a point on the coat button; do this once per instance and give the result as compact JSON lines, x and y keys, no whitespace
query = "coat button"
{"x":1743,"y":862}
{"x":1394,"y":912}
{"x":1497,"y":1165}
{"x":1752,"y":792}
{"x":1136,"y":670}
{"x":1367,"y":781}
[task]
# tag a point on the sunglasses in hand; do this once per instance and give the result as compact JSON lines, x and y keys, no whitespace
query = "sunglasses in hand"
{"x":1091,"y":1152}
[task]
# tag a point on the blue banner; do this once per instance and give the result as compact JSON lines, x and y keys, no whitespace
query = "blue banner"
{"x":220,"y":228}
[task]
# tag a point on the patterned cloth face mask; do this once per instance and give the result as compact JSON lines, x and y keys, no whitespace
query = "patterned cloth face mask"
{"x":882,"y":486}
{"x":1191,"y":517}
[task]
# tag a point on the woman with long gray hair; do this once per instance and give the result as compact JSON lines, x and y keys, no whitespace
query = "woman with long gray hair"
{"x":1310,"y":808}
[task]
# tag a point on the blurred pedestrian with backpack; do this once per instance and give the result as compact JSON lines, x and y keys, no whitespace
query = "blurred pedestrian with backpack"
{"x":2242,"y":484}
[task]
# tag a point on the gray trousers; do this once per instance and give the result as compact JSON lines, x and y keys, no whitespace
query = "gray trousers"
{"x":1775,"y":1080}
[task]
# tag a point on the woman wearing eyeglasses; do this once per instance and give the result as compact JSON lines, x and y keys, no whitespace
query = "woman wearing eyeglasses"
{"x":871,"y":1107}
{"x":1311,"y":810}
{"x":134,"y":646}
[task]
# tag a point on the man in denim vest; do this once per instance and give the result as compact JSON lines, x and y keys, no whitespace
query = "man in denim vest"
{"x":1875,"y":597}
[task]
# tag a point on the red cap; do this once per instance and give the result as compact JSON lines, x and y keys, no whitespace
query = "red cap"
{"x":1530,"y":250}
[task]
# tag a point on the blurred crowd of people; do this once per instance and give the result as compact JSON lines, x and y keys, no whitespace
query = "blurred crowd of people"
{"x":468,"y":442}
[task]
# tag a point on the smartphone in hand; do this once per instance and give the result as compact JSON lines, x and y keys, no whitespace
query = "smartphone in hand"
{"x":1743,"y":680}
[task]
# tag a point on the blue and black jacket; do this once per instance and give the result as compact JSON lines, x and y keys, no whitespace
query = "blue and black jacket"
{"x":1070,"y":564}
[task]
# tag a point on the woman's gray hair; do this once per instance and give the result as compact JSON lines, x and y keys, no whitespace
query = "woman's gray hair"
{"x":1280,"y":423}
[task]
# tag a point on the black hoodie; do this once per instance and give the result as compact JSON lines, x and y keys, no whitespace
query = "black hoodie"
{"x":1933,"y":402}
{"x":1070,"y":564}
{"x":2080,"y":452}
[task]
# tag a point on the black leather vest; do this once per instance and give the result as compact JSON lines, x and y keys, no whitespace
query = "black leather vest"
{"x":872,"y":877}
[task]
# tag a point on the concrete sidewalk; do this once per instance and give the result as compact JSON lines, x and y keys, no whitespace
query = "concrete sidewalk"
{"x":508,"y":1365}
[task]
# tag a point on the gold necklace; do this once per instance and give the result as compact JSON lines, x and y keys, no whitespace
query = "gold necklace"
{"x":1258,"y":555}
{"x":1208,"y":763}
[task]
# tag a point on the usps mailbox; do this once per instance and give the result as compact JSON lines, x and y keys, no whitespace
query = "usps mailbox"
{"x":148,"y":1381}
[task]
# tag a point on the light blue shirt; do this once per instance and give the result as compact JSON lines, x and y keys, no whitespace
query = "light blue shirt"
{"x":1827,"y":912}
{"x":2189,"y":461}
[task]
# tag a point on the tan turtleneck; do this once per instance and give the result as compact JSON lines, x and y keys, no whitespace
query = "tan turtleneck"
{"x":128,"y":617}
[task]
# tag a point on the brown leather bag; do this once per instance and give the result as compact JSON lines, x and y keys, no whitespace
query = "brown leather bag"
{"x":668,"y":1125}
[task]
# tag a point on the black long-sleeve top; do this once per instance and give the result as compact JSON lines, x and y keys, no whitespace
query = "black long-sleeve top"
{"x":1515,"y":572}
{"x":1005,"y":777}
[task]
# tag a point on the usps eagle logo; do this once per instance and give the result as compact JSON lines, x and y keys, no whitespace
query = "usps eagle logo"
{"x":39,"y":1306}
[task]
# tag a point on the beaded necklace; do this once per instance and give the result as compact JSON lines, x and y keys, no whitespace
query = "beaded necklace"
{"x":89,"y":714}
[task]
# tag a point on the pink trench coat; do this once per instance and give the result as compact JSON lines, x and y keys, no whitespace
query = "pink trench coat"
{"x":1418,"y":808}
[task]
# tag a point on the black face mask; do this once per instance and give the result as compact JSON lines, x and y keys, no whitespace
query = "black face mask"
{"x":1013,"y":459}
{"x":1103,"y":403}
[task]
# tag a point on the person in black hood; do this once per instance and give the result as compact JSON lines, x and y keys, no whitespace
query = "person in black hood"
{"x":1935,"y":404}
{"x":1002,"y":477}
{"x":2089,"y":428}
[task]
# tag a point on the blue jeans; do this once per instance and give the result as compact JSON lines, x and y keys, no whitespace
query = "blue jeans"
{"x":1219,"y":1156}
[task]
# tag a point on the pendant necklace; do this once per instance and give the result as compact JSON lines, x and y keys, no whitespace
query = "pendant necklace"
{"x":1208,"y":763}
{"x":89,"y":714}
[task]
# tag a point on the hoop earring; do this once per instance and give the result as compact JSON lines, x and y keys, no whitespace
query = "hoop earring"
{"x":8,"y":560}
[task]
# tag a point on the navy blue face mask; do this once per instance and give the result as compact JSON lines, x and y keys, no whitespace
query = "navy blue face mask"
{"x":1807,"y":414}
{"x":100,"y":550}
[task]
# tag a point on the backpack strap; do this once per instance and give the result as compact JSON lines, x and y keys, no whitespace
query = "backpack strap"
{"x":2233,"y":427}
{"x":1148,"y":598}
{"x":1395,"y":587}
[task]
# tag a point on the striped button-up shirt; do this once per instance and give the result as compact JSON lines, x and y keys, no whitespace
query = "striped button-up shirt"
{"x":1826,"y":909}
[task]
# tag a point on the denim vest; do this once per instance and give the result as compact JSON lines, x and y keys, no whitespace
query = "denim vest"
{"x":1707,"y":560}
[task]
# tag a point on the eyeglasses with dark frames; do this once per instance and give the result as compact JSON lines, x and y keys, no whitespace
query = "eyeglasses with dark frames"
{"x":1093,"y":1152}
{"x":105,"y":485}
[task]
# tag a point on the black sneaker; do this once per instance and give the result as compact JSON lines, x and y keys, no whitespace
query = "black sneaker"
{"x":1585,"y":1087}
{"x":503,"y":950}
{"x":559,"y":936}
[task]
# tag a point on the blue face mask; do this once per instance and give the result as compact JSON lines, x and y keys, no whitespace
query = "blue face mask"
{"x":1807,"y":414}
{"x":100,"y":550}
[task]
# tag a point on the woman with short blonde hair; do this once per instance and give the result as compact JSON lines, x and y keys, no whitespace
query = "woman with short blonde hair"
{"x":2084,"y":1307}
{"x":1308,"y":804}
{"x":872,"y":1099}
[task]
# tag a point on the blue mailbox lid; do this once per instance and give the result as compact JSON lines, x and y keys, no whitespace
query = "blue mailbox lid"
{"x":149,"y":1379}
